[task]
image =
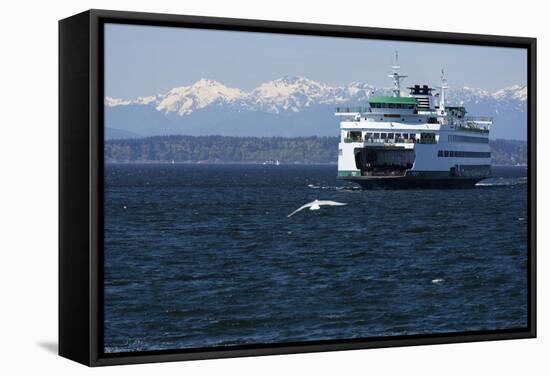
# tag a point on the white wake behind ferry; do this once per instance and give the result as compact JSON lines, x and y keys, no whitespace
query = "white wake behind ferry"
{"x":413,"y":142}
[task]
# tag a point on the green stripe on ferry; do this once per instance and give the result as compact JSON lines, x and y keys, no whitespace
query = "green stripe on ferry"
{"x":392,"y":100}
{"x":349,"y":173}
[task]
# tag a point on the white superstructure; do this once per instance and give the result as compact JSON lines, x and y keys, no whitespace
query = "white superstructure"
{"x":413,"y":141}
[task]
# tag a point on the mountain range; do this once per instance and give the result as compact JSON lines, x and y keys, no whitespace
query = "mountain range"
{"x":288,"y":107}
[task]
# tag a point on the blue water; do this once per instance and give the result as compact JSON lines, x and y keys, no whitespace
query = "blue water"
{"x":204,"y":255}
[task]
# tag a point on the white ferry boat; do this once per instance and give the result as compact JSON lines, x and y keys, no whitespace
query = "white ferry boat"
{"x":413,"y":142}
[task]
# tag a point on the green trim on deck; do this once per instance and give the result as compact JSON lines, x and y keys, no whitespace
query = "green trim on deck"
{"x":349,"y":173}
{"x":480,"y":171}
{"x":392,"y":100}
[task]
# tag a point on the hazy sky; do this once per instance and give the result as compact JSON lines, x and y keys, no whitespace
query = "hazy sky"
{"x":147,"y":60}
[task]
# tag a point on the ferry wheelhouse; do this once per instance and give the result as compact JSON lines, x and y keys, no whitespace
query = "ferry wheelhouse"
{"x":415,"y":141}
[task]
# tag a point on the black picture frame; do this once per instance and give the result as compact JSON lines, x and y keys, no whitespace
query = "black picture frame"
{"x":81,"y":184}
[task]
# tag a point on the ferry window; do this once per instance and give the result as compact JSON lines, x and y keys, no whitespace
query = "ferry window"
{"x":390,"y":135}
{"x":440,"y":153}
{"x":412,"y":136}
{"x":355,"y":135}
{"x":383,"y":135}
{"x":369,"y":135}
{"x":405,"y":135}
{"x":391,"y":105}
{"x":376,"y":135}
{"x":446,"y":153}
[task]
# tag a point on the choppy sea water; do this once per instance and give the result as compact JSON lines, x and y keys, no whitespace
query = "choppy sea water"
{"x":204,"y":255}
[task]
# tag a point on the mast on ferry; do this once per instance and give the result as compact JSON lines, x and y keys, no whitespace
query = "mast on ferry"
{"x":396,"y":76}
{"x":442,"y":96}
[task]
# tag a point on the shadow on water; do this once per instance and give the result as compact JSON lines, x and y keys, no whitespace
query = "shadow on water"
{"x":50,"y":347}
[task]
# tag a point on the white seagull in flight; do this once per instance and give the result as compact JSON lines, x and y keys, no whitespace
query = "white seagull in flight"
{"x":316,"y":205}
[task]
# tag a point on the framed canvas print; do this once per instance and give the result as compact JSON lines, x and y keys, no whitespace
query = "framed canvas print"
{"x":237,"y":187}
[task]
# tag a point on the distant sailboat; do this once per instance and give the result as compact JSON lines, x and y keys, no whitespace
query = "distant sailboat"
{"x":277,"y":163}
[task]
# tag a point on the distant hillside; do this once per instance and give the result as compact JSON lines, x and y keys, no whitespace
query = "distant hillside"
{"x":112,"y":133}
{"x":259,"y":149}
{"x":508,"y":152}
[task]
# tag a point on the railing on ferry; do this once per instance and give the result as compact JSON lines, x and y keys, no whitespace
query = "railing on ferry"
{"x":348,"y":140}
{"x":479,"y":119}
{"x":351,"y":110}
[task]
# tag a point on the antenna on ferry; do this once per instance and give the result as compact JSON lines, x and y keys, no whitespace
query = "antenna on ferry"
{"x":442,"y":97}
{"x":396,"y":76}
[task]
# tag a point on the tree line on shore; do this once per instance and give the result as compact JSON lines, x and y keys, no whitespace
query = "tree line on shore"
{"x":226,"y":149}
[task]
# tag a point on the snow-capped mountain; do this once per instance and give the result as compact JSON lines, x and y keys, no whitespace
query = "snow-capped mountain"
{"x":113,"y":102}
{"x":515,"y":92}
{"x":288,"y":106}
{"x":468,"y":94}
{"x":186,"y":99}
{"x":290,"y":93}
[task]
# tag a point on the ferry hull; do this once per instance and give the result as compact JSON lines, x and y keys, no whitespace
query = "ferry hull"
{"x":409,"y":182}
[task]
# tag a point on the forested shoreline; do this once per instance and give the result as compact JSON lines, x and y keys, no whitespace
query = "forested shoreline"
{"x":226,"y":149}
